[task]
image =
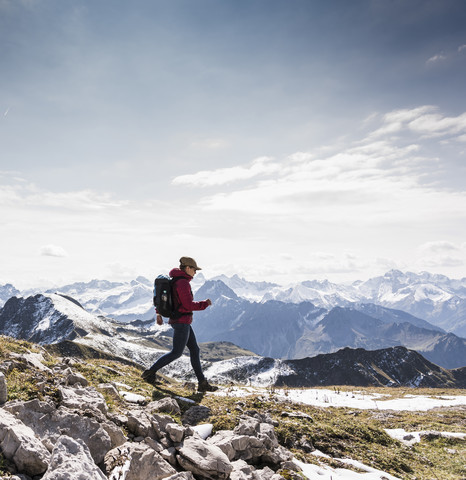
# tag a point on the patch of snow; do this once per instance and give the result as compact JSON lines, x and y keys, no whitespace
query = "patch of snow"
{"x":324,"y":472}
{"x":204,"y":430}
{"x":360,"y":400}
{"x":132,"y":397}
{"x":409,"y":438}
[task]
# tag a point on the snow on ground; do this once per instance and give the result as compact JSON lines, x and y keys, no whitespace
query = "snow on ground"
{"x":355,"y":399}
{"x":409,"y":438}
{"x":323,"y":472}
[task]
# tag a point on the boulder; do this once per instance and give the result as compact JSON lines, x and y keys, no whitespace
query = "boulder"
{"x":175,"y":432}
{"x":82,"y":398}
{"x":71,"y":460}
{"x":204,"y":460}
{"x":136,"y":461}
{"x":73,"y":378}
{"x":19,"y":444}
{"x":252,"y":441}
{"x":49,"y":423}
{"x":181,"y":476}
{"x":195,"y":415}
{"x":109,"y":389}
{"x":3,"y":389}
{"x":165,"y":405}
{"x":139,"y":424}
{"x":244,"y":471}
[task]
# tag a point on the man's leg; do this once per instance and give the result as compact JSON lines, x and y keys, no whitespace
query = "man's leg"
{"x":194,"y":353}
{"x":180,"y":338}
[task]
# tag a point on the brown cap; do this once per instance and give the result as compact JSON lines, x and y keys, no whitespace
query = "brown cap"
{"x":189,"y":262}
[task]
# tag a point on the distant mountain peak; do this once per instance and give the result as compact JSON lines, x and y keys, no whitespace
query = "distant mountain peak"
{"x":214,"y":289}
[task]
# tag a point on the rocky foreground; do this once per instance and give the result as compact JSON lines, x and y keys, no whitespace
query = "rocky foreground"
{"x":70,"y":434}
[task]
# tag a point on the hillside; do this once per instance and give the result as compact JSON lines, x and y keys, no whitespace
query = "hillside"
{"x":94,"y":418}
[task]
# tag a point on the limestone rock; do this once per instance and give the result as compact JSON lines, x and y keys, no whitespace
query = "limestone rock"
{"x":73,"y":378}
{"x":49,"y":423}
{"x":71,"y":460}
{"x":166,"y":405}
{"x":203,"y":459}
{"x":136,"y":461}
{"x":19,"y":445}
{"x":3,"y":389}
{"x":82,"y":398}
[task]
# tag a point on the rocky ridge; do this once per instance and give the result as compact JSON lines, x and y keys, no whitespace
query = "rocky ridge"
{"x":68,"y":432}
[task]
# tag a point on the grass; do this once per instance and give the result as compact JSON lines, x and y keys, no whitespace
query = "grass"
{"x":337,"y":432}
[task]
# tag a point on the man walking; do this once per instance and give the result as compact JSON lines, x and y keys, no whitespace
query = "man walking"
{"x":183,"y":334}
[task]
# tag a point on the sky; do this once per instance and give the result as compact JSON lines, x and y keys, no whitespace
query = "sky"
{"x":278,"y":140}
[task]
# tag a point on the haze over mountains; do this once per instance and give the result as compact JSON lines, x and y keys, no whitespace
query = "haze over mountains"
{"x":422,"y":312}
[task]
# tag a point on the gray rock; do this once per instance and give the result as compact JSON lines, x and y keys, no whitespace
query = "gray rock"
{"x":159,"y":423}
{"x":196,"y":414}
{"x":136,"y":462}
{"x":109,"y":389}
{"x":71,"y":460}
{"x":166,"y":405}
{"x":203,"y":459}
{"x":31,"y":359}
{"x":139,"y":424}
{"x":19,"y":444}
{"x":73,"y":378}
{"x":181,"y":476}
{"x":3,"y":389}
{"x":49,"y":423}
{"x":82,"y":398}
{"x":251,"y":441}
{"x":175,"y":432}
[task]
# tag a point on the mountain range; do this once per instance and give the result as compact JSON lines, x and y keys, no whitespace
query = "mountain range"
{"x":305,"y":319}
{"x":435,"y":298}
{"x":62,"y":324}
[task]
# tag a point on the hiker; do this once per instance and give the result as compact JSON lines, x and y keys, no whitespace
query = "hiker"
{"x":183,"y":333}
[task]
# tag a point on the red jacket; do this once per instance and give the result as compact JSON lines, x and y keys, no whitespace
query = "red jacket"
{"x":183,"y":297}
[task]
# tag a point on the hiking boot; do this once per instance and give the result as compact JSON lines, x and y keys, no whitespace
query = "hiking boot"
{"x":150,"y":377}
{"x":205,"y":386}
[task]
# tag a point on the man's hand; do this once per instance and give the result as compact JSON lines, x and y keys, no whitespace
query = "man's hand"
{"x":209,"y":302}
{"x":159,"y":319}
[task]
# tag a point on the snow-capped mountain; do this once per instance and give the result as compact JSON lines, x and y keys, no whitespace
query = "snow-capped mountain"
{"x":395,"y":366}
{"x":123,"y":301}
{"x":52,"y":319}
{"x":61,"y":320}
{"x":6,"y":292}
{"x":435,"y":298}
{"x":297,"y":330}
{"x":282,"y":321}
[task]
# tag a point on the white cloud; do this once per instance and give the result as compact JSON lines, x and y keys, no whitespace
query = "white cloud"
{"x":424,"y":121}
{"x":53,"y":251}
{"x":436,"y":58}
{"x":439,"y":246}
{"x":461,"y":48}
{"x":222,"y":176}
{"x":28,"y":194}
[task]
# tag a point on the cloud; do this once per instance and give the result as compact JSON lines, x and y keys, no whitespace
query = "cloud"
{"x":436,"y":58}
{"x":424,"y":121}
{"x":222,"y":176}
{"x":461,"y":48}
{"x":16,"y":191}
{"x":441,"y":254}
{"x":439,"y":246}
{"x":53,"y":251}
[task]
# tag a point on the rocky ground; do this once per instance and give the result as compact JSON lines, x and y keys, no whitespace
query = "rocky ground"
{"x":64,"y":418}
